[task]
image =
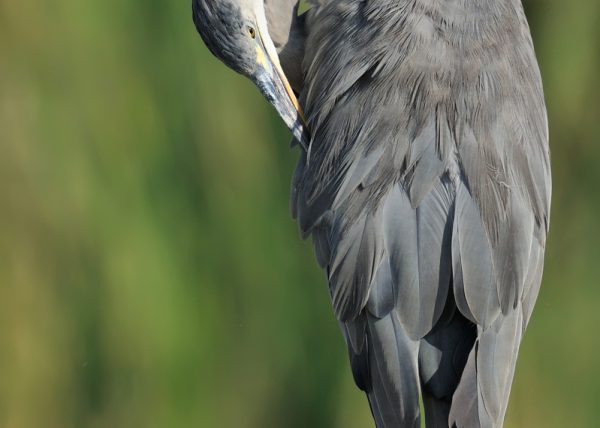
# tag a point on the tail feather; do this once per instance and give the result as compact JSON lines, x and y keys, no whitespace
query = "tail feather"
{"x":442,"y":356}
{"x":482,"y":395}
{"x":436,"y":411}
{"x":464,"y":412}
{"x":394,"y":396}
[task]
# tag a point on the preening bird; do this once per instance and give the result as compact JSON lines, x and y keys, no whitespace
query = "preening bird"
{"x":424,"y":181}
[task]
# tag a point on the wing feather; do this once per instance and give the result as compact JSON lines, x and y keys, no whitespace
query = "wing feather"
{"x":472,"y":256}
{"x":356,"y":255}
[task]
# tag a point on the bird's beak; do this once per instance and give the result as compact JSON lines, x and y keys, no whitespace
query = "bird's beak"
{"x":273,"y":84}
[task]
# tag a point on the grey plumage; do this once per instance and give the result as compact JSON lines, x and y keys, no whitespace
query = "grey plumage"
{"x":287,"y":30}
{"x":426,"y":190}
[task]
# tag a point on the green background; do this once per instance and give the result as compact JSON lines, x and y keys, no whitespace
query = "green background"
{"x":150,"y":273}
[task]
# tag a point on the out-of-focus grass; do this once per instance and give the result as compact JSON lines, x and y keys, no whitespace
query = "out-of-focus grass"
{"x":150,"y":274}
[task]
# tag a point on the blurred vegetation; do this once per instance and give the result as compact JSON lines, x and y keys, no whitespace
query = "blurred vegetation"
{"x":150,"y":274}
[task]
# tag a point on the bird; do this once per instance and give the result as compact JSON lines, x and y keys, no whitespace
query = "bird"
{"x":423,"y":179}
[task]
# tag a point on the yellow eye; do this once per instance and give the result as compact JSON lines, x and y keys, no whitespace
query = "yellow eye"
{"x":252,"y":32}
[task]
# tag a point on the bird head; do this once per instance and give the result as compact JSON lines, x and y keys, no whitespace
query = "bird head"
{"x":236,"y":32}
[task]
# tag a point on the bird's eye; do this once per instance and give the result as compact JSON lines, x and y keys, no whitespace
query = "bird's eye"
{"x":251,"y":32}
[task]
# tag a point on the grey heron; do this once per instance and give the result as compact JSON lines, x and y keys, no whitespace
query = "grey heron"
{"x":424,"y":181}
